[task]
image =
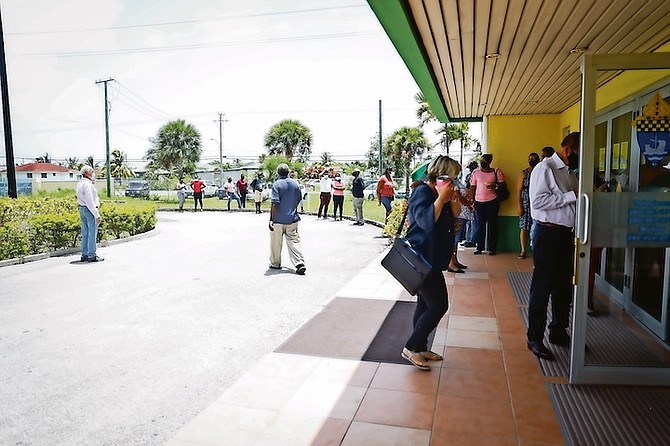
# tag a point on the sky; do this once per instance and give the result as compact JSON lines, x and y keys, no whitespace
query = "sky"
{"x":325,"y":63}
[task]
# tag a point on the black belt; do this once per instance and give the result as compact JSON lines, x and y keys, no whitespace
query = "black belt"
{"x":555,"y":226}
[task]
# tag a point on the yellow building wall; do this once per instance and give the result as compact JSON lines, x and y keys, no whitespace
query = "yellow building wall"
{"x":511,"y":138}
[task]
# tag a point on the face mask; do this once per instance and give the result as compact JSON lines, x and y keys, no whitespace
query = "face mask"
{"x":573,"y":161}
{"x":533,"y":162}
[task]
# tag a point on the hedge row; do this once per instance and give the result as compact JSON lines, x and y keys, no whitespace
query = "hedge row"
{"x":33,"y":225}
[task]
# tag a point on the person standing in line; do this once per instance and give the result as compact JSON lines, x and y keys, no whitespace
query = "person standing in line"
{"x":257,"y":187}
{"x":357,"y":188}
{"x":197,"y":185}
{"x":463,"y":205}
{"x":546,"y":152}
{"x":471,"y":224}
{"x":326,"y":187}
{"x":553,"y":196}
{"x":338,"y":196}
{"x":386,"y":191}
{"x":523,"y":203}
{"x":89,"y":204}
{"x":431,"y":233}
{"x":483,"y":184}
{"x":181,"y":194}
{"x":284,"y":219}
{"x":230,"y":189}
{"x":242,"y":188}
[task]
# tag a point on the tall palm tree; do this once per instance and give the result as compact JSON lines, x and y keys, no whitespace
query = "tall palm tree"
{"x":403,"y":145}
{"x":119,"y":167}
{"x":91,"y":162}
{"x":424,"y":114}
{"x":326,"y":157}
{"x":73,"y":163}
{"x":177,"y":147}
{"x":289,"y":138}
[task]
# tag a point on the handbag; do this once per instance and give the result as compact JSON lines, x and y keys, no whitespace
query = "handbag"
{"x":405,"y":263}
{"x":501,"y":189}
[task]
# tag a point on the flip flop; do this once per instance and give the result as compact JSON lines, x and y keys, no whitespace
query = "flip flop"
{"x":451,"y":270}
{"x":522,"y":255}
{"x":431,"y":356}
{"x":416,"y":359}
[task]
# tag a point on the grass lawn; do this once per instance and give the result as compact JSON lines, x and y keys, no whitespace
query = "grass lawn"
{"x":371,"y":209}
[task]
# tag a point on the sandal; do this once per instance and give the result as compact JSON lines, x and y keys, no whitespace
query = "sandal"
{"x":522,"y":255}
{"x":431,"y":356}
{"x":415,"y":358}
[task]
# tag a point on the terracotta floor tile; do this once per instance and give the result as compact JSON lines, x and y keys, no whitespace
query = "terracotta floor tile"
{"x":362,"y":376}
{"x":342,"y":371}
{"x":511,"y":324}
{"x":473,"y":339}
{"x":449,"y":439}
{"x":473,"y":358}
{"x":220,"y":421}
{"x":331,"y":433}
{"x":484,"y":384}
{"x":463,"y":306}
{"x":395,"y":408}
{"x":379,"y":435}
{"x":472,"y":293}
{"x":528,"y":389}
{"x":538,"y":423}
{"x":469,"y":416}
{"x":405,"y":379}
{"x":288,"y":428}
{"x":521,"y":362}
{"x":514,"y":341}
{"x":261,"y":393}
{"x":325,"y":399}
{"x":473,"y":323}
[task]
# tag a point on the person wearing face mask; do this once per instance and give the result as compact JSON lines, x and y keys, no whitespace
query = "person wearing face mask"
{"x":553,"y":197}
{"x":483,"y":185}
{"x":338,"y":196}
{"x":523,"y":202}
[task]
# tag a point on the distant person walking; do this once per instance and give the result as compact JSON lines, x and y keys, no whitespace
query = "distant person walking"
{"x":284,"y":219}
{"x":257,"y":187}
{"x":231,"y":192}
{"x":523,"y":203}
{"x":357,"y":188}
{"x":386,"y":191}
{"x":338,"y":196}
{"x":181,"y":194}
{"x":326,"y":187}
{"x":89,"y":204}
{"x":242,"y":189}
{"x":197,"y":185}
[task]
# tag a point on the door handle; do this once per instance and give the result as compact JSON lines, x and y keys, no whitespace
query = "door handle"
{"x":583,"y":234}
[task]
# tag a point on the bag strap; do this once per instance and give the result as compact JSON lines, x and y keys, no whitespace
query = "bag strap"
{"x":402,"y":222}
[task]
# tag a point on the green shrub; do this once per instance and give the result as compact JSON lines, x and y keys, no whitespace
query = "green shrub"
{"x":397,"y":210}
{"x":13,"y":242}
{"x":56,"y":231}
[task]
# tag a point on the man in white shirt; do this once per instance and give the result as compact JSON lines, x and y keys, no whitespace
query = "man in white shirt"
{"x":326,"y":187}
{"x":87,"y":198}
{"x":553,"y":197}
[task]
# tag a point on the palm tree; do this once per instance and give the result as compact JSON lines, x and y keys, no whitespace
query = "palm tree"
{"x":43,"y":159}
{"x":73,"y":163}
{"x":289,"y":137}
{"x":326,"y":157}
{"x":177,"y":147}
{"x":402,"y":146}
{"x":91,"y":162}
{"x":119,"y":168}
{"x":424,"y":114}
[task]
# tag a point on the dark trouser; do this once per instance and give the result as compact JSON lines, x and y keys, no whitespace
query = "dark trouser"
{"x":323,"y":205}
{"x":553,"y":256}
{"x":338,"y":202}
{"x":487,"y":224}
{"x":258,"y":206}
{"x":431,"y":304}
{"x":197,"y":197}
{"x":243,"y":197}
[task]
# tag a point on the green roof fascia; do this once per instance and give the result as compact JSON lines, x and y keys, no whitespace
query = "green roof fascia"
{"x":395,"y":18}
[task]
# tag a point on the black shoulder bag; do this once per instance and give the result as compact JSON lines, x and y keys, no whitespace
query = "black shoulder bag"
{"x":501,"y":189}
{"x":405,"y":263}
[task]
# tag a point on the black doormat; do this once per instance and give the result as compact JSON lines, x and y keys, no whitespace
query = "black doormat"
{"x":612,"y":416}
{"x":392,"y":335}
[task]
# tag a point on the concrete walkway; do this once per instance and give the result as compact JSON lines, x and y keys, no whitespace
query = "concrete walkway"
{"x":129,"y":350}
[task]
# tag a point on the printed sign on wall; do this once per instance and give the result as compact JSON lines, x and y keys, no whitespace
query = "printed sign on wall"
{"x":653,"y":130}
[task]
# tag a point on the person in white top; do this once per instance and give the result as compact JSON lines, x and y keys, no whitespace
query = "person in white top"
{"x":231,"y":192}
{"x":552,"y":192}
{"x":89,"y":203}
{"x":326,"y":187}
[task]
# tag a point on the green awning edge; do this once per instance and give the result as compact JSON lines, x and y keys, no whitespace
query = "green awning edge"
{"x":397,"y":23}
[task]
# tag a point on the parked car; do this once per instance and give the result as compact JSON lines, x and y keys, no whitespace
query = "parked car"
{"x":370,"y":192}
{"x":208,"y":191}
{"x":137,"y":189}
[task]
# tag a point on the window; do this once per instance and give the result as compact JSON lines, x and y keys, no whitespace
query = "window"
{"x":71,"y":175}
{"x":43,"y":175}
{"x":29,"y":175}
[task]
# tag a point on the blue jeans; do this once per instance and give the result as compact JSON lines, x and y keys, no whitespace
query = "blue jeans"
{"x":386,"y":202}
{"x":89,"y":232}
{"x":233,"y":196}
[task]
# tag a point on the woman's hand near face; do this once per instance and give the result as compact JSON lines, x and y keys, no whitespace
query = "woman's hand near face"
{"x":446,"y":193}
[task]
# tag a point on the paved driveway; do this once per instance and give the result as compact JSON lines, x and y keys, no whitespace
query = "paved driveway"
{"x":126,"y":351}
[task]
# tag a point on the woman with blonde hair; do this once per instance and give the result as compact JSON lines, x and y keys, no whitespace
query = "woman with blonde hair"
{"x":431,"y":233}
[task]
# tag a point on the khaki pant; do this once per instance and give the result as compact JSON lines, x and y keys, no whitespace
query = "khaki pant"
{"x":292,"y":243}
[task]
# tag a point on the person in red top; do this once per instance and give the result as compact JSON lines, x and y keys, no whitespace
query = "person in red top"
{"x":197,"y":185}
{"x":386,"y":191}
{"x":242,"y":190}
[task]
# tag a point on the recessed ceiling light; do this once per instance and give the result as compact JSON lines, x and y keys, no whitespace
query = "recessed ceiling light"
{"x":492,"y":56}
{"x":579,"y":50}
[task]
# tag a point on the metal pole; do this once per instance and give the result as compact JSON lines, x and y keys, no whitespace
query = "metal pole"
{"x":380,"y":137}
{"x":108,"y":170}
{"x":9,"y":146}
{"x":221,"y":115}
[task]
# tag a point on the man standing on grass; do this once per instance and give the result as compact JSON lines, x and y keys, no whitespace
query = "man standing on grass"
{"x":357,"y":188}
{"x":89,"y":202}
{"x":284,"y":220}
